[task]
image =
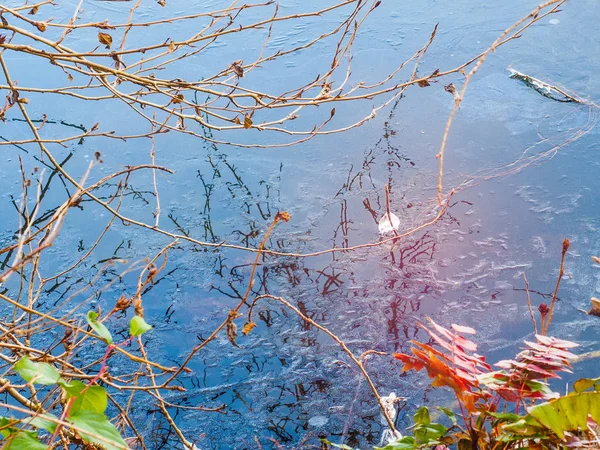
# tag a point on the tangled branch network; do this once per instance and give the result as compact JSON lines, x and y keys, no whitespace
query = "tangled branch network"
{"x":152,"y":72}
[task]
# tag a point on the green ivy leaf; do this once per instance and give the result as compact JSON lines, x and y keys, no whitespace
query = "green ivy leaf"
{"x":538,"y":386}
{"x":522,"y":428}
{"x":92,"y":398}
{"x":98,"y":327}
{"x":449,"y":413}
{"x":24,"y":440}
{"x":421,"y":417}
{"x":45,"y":421}
{"x":6,"y":426}
{"x":138,"y":326}
{"x":504,"y":417}
{"x":584,"y":384}
{"x":37,"y":373}
{"x":567,"y":413}
{"x":96,"y":428}
{"x":331,"y":444}
{"x":430,"y":432}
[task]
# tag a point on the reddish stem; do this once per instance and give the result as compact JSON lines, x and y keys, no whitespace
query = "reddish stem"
{"x":103,"y":369}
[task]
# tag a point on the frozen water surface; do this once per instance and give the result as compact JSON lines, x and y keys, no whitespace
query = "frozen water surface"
{"x":517,"y":197}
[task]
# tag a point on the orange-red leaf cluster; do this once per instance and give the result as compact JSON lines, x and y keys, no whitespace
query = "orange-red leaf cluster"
{"x":457,"y":366}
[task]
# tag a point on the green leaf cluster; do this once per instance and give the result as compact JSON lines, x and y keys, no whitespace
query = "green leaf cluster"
{"x":426,"y":433}
{"x":86,"y":403}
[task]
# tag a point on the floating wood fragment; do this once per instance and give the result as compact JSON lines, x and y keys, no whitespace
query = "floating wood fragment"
{"x":547,"y":90}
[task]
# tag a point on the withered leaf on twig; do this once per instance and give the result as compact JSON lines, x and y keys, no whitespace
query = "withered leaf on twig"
{"x":117,"y":60}
{"x":105,"y":38}
{"x":3,"y":19}
{"x":450,"y":88}
{"x":248,"y":327}
{"x":33,"y":11}
{"x":40,"y":26}
{"x":423,"y":83}
{"x":247,"y":121}
{"x":236,"y":120}
{"x":238,"y":69}
{"x":232,"y":327}
{"x":14,"y":97}
{"x":283,"y":215}
{"x":105,"y":25}
{"x":595,"y":310}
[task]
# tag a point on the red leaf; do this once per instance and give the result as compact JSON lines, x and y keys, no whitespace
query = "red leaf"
{"x":462,"y":329}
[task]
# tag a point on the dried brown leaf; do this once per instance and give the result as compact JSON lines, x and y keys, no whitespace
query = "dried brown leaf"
{"x":105,"y":25}
{"x":236,"y":120}
{"x":596,"y":259}
{"x":171,"y":47}
{"x":117,"y":60}
{"x":40,"y":26}
{"x":122,"y":303}
{"x":3,"y":19}
{"x":450,"y":88}
{"x":232,"y":328}
{"x":283,"y":215}
{"x":247,"y":121}
{"x":238,"y":69}
{"x":13,"y":97}
{"x":423,"y":83}
{"x":595,"y":310}
{"x":33,"y":11}
{"x":105,"y":38}
{"x":248,"y":327}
